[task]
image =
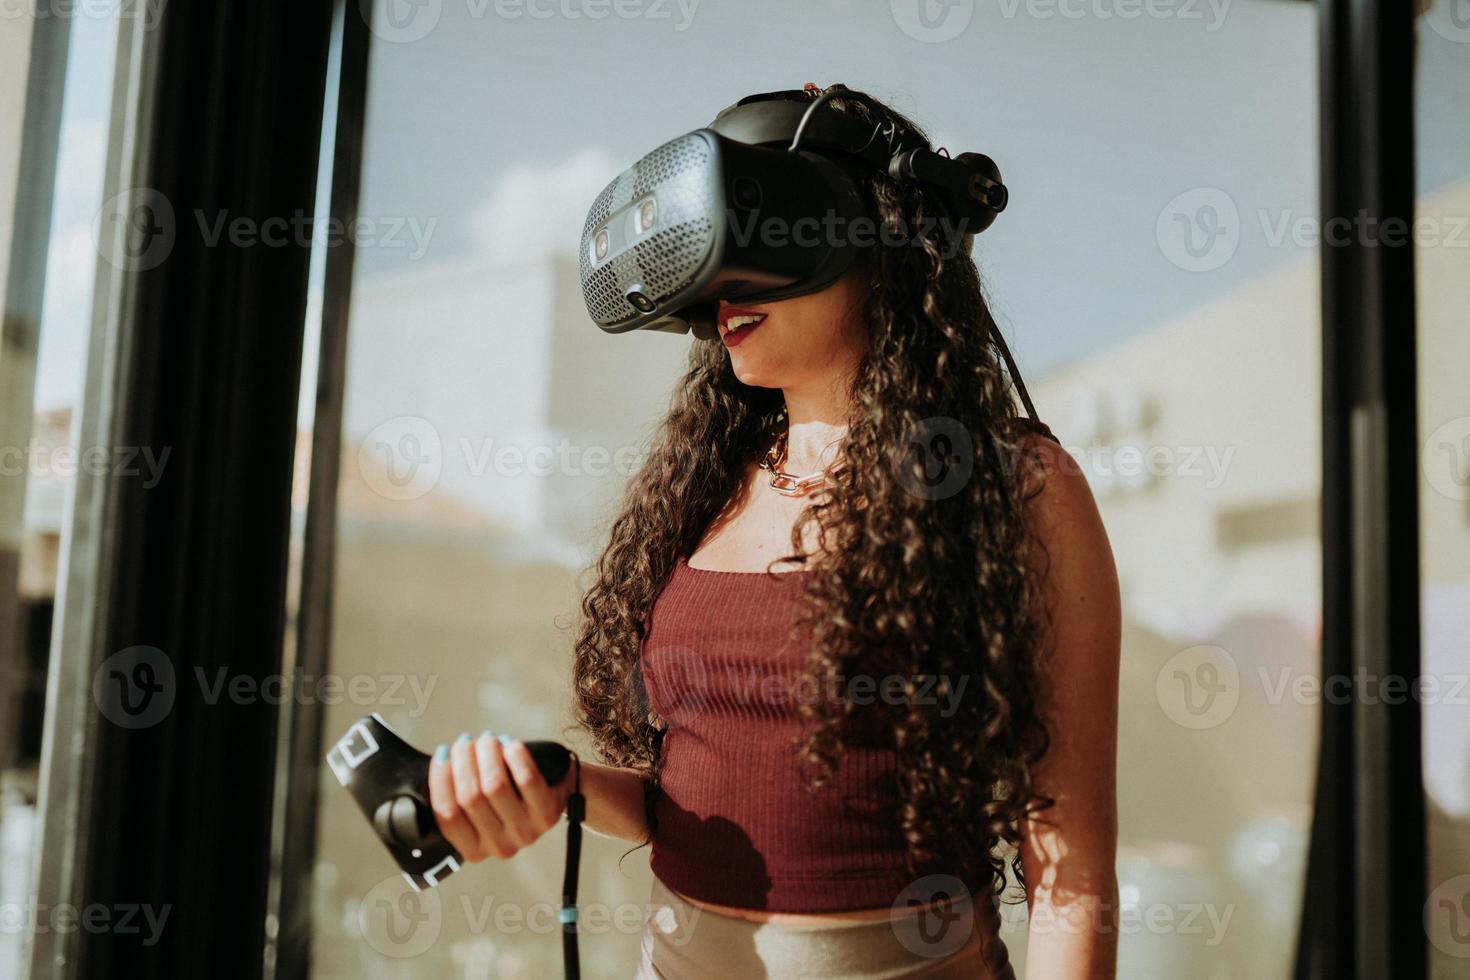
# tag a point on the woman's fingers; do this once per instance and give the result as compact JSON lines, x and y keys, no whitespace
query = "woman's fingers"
{"x":467,"y":781}
{"x":489,"y":798}
{"x":453,"y":823}
{"x":541,"y":801}
{"x":498,"y":786}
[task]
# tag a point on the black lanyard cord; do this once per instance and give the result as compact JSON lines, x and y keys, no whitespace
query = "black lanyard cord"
{"x":576,"y":811}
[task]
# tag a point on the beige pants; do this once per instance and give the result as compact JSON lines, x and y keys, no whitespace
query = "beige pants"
{"x":684,"y":942}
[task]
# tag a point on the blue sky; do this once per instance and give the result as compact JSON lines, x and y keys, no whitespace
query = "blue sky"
{"x":1096,"y":122}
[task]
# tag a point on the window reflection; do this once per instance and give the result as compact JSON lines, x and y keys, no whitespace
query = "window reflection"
{"x":1170,"y":330}
{"x":58,"y":133}
{"x":1443,"y":270}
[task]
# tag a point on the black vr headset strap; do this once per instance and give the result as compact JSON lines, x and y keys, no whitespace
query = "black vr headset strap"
{"x":769,"y":119}
{"x":972,"y":180}
{"x":886,"y":129}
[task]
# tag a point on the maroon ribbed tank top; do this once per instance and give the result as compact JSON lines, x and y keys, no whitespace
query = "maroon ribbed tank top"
{"x":736,"y":824}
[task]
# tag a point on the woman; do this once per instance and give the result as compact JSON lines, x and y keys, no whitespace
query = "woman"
{"x":838,"y":714}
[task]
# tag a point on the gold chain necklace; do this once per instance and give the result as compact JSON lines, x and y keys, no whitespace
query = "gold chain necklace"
{"x":785,"y":483}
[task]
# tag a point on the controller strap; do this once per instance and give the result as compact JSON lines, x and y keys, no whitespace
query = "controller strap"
{"x":567,"y":914}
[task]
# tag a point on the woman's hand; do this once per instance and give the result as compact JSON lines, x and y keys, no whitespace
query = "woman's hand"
{"x":489,"y":798}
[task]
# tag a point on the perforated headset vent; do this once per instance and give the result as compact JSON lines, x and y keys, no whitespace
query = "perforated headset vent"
{"x":664,"y":263}
{"x":668,"y":260}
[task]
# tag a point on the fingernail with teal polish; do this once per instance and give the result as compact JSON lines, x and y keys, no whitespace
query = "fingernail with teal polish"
{"x":504,"y":739}
{"x":441,"y":754}
{"x":487,"y":733}
{"x":464,"y":736}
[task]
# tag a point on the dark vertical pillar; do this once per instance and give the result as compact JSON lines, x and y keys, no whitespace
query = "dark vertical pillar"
{"x":174,"y":811}
{"x":289,"y":955}
{"x":1366,"y":875}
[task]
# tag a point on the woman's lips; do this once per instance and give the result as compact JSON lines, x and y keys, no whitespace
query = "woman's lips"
{"x":737,"y":324}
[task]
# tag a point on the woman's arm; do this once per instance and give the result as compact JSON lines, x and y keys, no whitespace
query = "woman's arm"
{"x":615,"y":802}
{"x":1069,"y":851}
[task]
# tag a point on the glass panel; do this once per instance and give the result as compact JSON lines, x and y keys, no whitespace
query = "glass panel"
{"x":1198,"y":423}
{"x":52,"y":130}
{"x":1442,"y":240}
{"x":1157,"y":273}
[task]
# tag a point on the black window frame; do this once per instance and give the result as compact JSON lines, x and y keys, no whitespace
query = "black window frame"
{"x":203,"y":354}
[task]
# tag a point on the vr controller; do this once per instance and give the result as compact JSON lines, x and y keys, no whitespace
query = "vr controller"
{"x":389,"y":779}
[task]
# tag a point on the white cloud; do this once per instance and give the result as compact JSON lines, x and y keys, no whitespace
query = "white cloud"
{"x":539,"y":209}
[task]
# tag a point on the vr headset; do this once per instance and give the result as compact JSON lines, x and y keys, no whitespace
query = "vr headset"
{"x":764,"y":204}
{"x":761,"y":204}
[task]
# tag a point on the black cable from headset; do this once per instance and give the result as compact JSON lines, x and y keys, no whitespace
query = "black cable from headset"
{"x":1016,"y":376}
{"x":806,"y":116}
{"x":1000,"y":342}
{"x":567,"y":914}
{"x":821,"y":100}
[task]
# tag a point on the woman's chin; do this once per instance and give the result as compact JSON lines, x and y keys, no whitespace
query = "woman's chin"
{"x":754,"y":374}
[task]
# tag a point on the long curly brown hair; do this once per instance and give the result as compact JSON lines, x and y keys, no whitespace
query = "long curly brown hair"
{"x":918,"y":577}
